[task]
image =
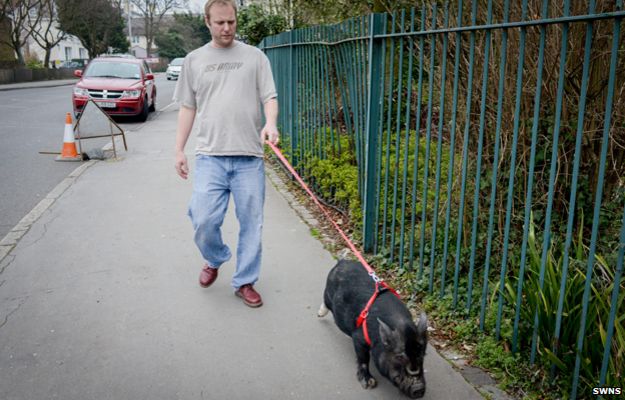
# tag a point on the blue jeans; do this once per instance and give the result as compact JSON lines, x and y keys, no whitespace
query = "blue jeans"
{"x":215,"y":178}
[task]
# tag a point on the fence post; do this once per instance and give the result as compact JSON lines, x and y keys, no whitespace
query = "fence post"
{"x":292,"y":101}
{"x":374,"y":104}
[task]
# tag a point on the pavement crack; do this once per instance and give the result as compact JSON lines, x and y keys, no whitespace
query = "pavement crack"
{"x":43,"y":234}
{"x":6,"y":318}
{"x":12,"y":258}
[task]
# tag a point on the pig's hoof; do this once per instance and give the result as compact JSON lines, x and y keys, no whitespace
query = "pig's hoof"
{"x":366,"y":380}
{"x":368,"y":383}
{"x":323,"y":311}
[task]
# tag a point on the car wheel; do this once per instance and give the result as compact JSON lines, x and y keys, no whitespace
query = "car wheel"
{"x":168,"y":78}
{"x":143,"y":116}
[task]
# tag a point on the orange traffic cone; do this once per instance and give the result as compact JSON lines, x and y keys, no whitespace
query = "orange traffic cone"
{"x":69,"y":152}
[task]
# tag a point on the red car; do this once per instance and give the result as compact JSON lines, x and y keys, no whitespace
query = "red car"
{"x":120,"y":86}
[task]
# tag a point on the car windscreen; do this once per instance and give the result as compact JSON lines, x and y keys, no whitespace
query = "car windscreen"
{"x":177,"y":62}
{"x":107,"y":69}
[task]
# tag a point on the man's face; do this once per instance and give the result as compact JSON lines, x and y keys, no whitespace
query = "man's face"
{"x":222,"y":24}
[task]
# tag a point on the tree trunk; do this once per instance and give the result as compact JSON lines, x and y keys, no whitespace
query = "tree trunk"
{"x":46,"y":61}
{"x":148,"y":36}
{"x":20,"y":58}
{"x":18,"y":51}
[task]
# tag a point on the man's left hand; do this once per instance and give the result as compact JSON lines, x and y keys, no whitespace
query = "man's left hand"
{"x":270,"y":132}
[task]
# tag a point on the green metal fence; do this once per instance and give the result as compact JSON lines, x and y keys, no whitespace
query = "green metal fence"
{"x":487,"y":145}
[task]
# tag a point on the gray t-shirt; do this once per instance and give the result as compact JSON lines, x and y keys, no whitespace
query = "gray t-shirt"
{"x":226,"y":87}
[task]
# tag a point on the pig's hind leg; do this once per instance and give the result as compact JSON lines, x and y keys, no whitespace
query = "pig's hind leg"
{"x":362,"y":358}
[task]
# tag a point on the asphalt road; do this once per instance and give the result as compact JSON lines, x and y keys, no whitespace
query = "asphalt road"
{"x":33,"y":121}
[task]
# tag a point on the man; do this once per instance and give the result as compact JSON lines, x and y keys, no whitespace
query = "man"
{"x":220,"y":89}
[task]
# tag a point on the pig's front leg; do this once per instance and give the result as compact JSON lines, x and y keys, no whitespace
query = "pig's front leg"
{"x":362,"y":357}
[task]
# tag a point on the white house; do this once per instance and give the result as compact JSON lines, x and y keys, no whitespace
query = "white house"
{"x":138,"y":41}
{"x":68,"y":49}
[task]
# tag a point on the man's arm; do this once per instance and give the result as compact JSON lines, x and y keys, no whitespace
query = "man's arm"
{"x":270,"y":130}
{"x":186,"y":116}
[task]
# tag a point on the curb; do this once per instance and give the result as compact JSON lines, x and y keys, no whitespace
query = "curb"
{"x":12,"y":238}
{"x":6,"y":87}
{"x":475,"y":376}
{"x":281,"y":187}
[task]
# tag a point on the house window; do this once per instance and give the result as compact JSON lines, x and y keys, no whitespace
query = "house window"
{"x":68,"y":53}
{"x":135,"y":39}
{"x":83,"y":53}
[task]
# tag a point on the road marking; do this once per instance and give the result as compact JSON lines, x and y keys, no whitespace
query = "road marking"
{"x":167,"y":106}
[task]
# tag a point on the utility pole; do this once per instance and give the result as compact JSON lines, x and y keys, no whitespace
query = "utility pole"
{"x":129,"y":24}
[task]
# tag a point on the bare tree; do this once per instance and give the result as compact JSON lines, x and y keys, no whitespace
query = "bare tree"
{"x":45,"y":30}
{"x":153,"y":12}
{"x":98,"y":27}
{"x":18,"y":14}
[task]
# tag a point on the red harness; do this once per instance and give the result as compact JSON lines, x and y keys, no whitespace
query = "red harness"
{"x":380,"y":287}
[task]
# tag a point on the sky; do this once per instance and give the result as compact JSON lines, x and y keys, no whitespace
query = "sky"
{"x":196,"y":5}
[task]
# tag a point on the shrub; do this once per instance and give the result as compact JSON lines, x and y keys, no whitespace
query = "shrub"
{"x":545,"y":302}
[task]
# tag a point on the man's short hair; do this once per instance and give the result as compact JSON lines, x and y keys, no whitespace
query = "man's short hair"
{"x":210,"y":3}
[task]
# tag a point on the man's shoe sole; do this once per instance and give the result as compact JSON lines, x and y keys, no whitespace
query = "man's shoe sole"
{"x":247,"y":303}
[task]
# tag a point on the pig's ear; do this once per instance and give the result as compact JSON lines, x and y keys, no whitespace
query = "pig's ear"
{"x":422,"y":329}
{"x":390,"y":338}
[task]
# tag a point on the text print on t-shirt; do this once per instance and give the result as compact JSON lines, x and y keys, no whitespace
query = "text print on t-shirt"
{"x":229,"y":66}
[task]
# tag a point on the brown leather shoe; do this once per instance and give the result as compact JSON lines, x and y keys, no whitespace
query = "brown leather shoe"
{"x":249,"y":295}
{"x":208,"y":276}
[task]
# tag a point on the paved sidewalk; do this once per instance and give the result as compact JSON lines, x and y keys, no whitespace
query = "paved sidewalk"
{"x":99,"y":299}
{"x":38,"y":84}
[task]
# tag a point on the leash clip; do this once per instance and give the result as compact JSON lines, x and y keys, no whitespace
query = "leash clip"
{"x":375,"y":277}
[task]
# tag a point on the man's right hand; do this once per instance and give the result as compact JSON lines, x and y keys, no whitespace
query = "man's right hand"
{"x":186,"y":116}
{"x":182,"y":167}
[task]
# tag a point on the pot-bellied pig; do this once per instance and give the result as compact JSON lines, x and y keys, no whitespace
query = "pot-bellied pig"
{"x":397,"y":344}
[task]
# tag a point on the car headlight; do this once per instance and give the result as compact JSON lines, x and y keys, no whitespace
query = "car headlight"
{"x":81,"y":92}
{"x":131,"y":93}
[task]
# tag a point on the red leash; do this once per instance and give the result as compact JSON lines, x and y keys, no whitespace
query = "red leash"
{"x":380,"y":285}
{"x":318,"y":203}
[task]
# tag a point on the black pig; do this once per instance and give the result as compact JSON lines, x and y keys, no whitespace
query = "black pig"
{"x":397,"y":343}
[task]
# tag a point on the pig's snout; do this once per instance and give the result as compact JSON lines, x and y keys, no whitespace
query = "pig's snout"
{"x":417,"y":391}
{"x":413,"y":388}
